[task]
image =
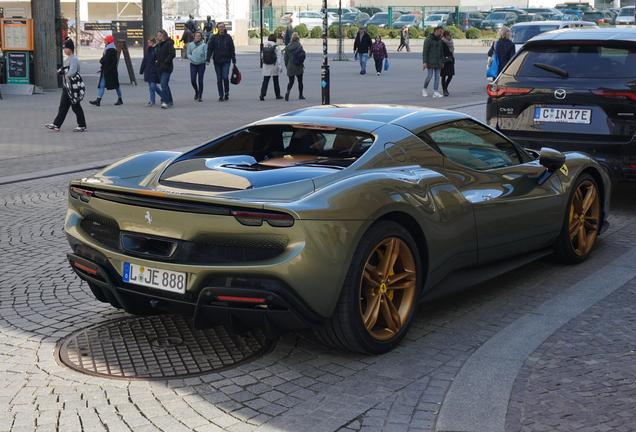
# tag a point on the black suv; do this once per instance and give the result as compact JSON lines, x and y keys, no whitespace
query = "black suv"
{"x":572,"y":89}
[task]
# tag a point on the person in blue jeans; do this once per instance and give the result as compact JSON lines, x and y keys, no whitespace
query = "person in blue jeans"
{"x":362,"y":46}
{"x":196,"y":53}
{"x":221,"y":50}
{"x":109,"y":79}
{"x":164,"y":66}
{"x":148,"y":70}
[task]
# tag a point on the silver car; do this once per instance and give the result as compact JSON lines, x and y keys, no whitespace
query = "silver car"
{"x":310,"y":18}
{"x":625,"y":16}
{"x":524,"y":31}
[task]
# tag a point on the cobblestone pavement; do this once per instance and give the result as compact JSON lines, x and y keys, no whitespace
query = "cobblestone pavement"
{"x":583,"y":377}
{"x":302,"y":385}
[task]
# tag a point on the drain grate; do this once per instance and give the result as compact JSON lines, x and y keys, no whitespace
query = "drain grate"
{"x":157,"y":347}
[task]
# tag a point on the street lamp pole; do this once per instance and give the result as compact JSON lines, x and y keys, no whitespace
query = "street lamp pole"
{"x":324,"y":70}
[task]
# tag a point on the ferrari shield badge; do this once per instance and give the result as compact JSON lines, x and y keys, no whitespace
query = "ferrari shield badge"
{"x":564,"y":170}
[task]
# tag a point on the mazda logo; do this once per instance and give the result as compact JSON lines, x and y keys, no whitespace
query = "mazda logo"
{"x":560,"y":94}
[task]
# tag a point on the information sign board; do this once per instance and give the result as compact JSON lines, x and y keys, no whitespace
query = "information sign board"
{"x":17,"y":67}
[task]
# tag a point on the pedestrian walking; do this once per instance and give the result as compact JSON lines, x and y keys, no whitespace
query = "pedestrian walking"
{"x":164,"y":66}
{"x":272,"y":66}
{"x":362,"y":46}
{"x":73,"y":91}
{"x":448,"y":70}
{"x":288,"y":35}
{"x":378,"y":51}
{"x":197,"y":52}
{"x":221,"y":50}
{"x":294,"y":62}
{"x":186,"y":38}
{"x":433,"y":60}
{"x":109,"y":78}
{"x":404,"y":39}
{"x":148,"y":70}
{"x":505,"y":48}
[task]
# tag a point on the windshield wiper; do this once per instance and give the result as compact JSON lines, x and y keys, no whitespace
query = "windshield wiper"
{"x":552,"y":69}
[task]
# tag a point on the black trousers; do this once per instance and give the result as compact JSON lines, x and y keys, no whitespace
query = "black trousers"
{"x":291,"y":83}
{"x":266,"y":84}
{"x":445,"y":82}
{"x":65,"y":104}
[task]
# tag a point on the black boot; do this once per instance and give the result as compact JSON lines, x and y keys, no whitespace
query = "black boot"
{"x":300,"y":96}
{"x":287,"y":96}
{"x":96,"y":102}
{"x":119,"y":102}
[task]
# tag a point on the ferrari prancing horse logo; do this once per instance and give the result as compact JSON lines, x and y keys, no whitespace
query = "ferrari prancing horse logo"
{"x":148,"y":218}
{"x":564,"y":170}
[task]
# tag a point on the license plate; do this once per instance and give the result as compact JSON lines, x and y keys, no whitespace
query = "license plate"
{"x":166,"y":280}
{"x":563,"y":115}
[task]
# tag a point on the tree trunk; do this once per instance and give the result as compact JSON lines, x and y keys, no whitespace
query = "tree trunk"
{"x":152,"y":19}
{"x":78,"y":29}
{"x":44,"y":52}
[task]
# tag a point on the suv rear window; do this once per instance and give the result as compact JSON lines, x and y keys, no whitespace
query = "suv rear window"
{"x":522,"y":34}
{"x":582,"y":60}
{"x":626,"y":12}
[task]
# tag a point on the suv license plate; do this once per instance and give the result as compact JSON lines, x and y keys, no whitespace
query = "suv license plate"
{"x":563,"y":115}
{"x":166,"y":280}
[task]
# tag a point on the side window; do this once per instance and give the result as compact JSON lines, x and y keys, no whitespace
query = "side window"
{"x":316,"y":15}
{"x":474,"y":146}
{"x":303,"y":15}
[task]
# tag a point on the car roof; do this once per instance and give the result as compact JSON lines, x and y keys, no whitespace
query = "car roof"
{"x":553,"y":22}
{"x":368,"y":117}
{"x":588,"y":34}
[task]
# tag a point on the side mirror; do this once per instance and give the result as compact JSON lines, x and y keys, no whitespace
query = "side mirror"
{"x":552,"y":160}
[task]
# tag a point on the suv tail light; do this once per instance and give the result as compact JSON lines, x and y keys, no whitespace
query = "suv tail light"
{"x":494,"y":91}
{"x":616,"y":94}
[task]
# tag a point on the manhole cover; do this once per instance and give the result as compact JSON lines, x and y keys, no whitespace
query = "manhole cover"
{"x":157,"y":347}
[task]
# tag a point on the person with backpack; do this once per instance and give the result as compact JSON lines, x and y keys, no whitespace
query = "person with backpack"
{"x":294,"y":61}
{"x":197,"y":50}
{"x":272,"y":66}
{"x":221,"y":50}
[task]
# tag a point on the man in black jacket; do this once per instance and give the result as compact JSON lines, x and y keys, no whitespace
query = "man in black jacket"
{"x":165,"y":56}
{"x":221,"y":49}
{"x":362,"y":46}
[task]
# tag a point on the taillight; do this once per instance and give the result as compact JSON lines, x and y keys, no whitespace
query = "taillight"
{"x":257,"y":218}
{"x":82,"y":194}
{"x":242,"y":299}
{"x":601,"y":21}
{"x":495,"y":91}
{"x":616,"y":94}
{"x":466,"y":22}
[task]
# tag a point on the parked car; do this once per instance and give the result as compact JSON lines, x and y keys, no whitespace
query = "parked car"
{"x":372,"y":10}
{"x":598,"y":17}
{"x":625,"y":16}
{"x":514,"y":11}
{"x":581,"y":7}
{"x":434,"y":21}
{"x":344,"y":10}
{"x":342,"y":219}
{"x":529,"y":17}
{"x":438,"y":12}
{"x":549,"y":11}
{"x":354,"y":19}
{"x":496,"y":20}
{"x":408,"y":20}
{"x":381,"y":19}
{"x":567,"y":15}
{"x":522,"y":32}
{"x":310,"y":18}
{"x":572,"y":90}
{"x":332,"y":18}
{"x":466,"y":19}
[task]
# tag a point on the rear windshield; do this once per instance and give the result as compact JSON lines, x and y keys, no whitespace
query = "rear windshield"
{"x":574,"y":60}
{"x":497,"y":16}
{"x":522,"y":34}
{"x":626,"y":12}
{"x":351,"y":15}
{"x":407,"y":18}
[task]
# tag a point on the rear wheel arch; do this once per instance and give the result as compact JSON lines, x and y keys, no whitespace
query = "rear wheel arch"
{"x":414,"y":228}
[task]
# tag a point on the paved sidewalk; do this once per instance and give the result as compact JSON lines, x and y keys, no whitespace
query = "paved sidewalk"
{"x":546,"y":347}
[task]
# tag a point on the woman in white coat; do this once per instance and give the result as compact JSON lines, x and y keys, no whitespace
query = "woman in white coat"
{"x":272,"y":66}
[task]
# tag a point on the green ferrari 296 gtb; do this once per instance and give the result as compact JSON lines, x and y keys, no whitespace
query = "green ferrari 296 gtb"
{"x":340,"y":218}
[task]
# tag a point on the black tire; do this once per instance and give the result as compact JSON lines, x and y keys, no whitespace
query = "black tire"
{"x":360,"y":296}
{"x":580,"y":225}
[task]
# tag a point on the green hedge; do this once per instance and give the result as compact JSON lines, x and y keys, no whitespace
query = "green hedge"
{"x":316,"y":33}
{"x":333,"y":32}
{"x":473,"y":33}
{"x":413,"y":34}
{"x":253,"y":34}
{"x":279,"y":31}
{"x":373,"y":31}
{"x":394,"y":34}
{"x":302,"y":30}
{"x":455,"y":32}
{"x":265,"y":32}
{"x":428,"y":30}
{"x":351,"y":32}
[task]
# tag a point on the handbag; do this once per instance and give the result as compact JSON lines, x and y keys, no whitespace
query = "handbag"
{"x":493,"y":69}
{"x":386,"y":64}
{"x":74,"y":86}
{"x":236,"y":76}
{"x":449,"y":59}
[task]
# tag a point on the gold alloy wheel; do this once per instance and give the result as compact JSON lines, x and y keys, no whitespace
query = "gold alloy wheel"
{"x":387,"y":289}
{"x":584,"y":218}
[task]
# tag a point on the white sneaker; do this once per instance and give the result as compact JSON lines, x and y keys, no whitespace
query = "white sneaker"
{"x":437,"y":95}
{"x":379,"y":73}
{"x":424,"y":93}
{"x":164,"y":105}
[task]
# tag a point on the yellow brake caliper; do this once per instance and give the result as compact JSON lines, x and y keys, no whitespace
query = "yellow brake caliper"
{"x":389,"y":293}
